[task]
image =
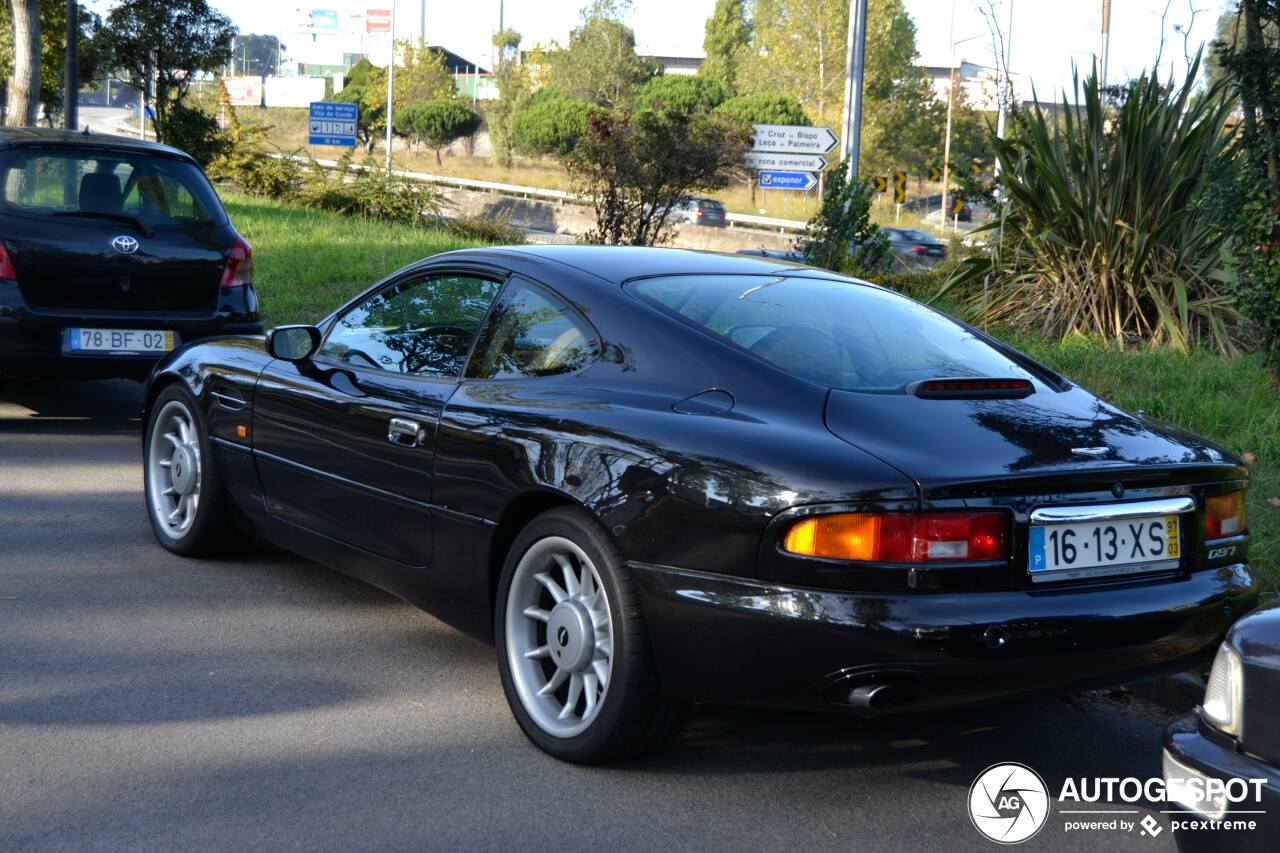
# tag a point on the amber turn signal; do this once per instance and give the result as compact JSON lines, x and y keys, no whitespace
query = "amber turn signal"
{"x":902,"y":537}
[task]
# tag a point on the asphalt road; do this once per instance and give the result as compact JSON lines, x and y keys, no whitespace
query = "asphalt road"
{"x":149,"y":702}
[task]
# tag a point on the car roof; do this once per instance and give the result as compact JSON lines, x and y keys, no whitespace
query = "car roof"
{"x":34,"y":137}
{"x":623,"y":263}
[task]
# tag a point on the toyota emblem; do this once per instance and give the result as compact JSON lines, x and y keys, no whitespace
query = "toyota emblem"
{"x":125,"y":244}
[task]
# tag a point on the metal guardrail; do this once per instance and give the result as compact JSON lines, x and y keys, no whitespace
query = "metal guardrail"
{"x":562,"y":197}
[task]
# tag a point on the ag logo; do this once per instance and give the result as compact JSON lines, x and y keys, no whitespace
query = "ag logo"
{"x":1008,"y":803}
{"x":124,"y":244}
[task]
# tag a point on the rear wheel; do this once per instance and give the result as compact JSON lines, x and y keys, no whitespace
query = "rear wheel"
{"x":189,"y":509}
{"x":572,"y":647}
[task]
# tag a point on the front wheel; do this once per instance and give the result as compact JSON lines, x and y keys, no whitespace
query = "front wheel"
{"x":572,"y":648}
{"x":189,"y":509}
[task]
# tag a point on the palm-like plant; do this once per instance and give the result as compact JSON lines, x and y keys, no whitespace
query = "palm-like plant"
{"x":1105,"y":226}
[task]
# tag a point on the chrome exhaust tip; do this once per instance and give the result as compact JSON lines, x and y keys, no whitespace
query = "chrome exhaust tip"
{"x":873,"y":697}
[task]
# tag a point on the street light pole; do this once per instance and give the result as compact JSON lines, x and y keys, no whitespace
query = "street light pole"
{"x":951,"y":102}
{"x":854,"y":61}
{"x":391,"y":77}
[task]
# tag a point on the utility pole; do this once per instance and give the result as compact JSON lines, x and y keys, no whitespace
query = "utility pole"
{"x":1106,"y":36}
{"x":1006,"y":95}
{"x":391,"y":79}
{"x":71,"y":71}
{"x":855,"y":55}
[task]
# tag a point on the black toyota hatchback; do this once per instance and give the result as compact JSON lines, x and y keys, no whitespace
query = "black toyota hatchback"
{"x":113,"y":252}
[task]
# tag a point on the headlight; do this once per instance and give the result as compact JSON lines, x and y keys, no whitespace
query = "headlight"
{"x":1224,"y":697}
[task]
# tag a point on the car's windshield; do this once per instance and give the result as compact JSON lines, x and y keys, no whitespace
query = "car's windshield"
{"x":837,"y":333}
{"x":162,"y":192}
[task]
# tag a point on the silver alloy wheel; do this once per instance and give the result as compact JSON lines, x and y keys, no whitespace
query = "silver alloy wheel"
{"x":559,"y":636}
{"x":173,"y":470}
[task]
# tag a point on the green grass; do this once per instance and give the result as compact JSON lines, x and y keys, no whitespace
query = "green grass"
{"x":306,"y":263}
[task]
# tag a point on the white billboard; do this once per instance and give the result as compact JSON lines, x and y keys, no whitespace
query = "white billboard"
{"x":294,"y":91}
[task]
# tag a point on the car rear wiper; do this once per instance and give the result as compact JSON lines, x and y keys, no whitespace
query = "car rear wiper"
{"x":146,"y":229}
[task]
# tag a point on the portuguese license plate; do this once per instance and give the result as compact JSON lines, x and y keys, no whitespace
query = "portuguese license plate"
{"x":121,"y":341}
{"x":1104,"y":547}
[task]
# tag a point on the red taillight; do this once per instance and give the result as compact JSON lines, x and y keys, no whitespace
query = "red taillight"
{"x":919,"y":250}
{"x":6,"y":263}
{"x":698,"y":213}
{"x":239,"y":271}
{"x":1224,"y":516}
{"x":900,"y":537}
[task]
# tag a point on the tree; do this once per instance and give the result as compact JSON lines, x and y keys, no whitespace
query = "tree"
{"x":53,"y":44}
{"x":637,"y":167}
{"x":256,"y":54}
{"x":600,"y":64}
{"x":1249,"y":56}
{"x":168,"y":41}
{"x":727,"y":43}
{"x":24,"y":84}
{"x":514,"y":91}
{"x":765,"y":108}
{"x":841,"y":235}
{"x":422,"y":77}
{"x":355,"y":95}
{"x":552,"y":124}
{"x":682,"y":93}
{"x":437,"y":123}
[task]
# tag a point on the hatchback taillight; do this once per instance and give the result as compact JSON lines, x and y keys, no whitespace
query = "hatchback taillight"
{"x":6,"y":262}
{"x":902,"y":537}
{"x":1224,"y":516}
{"x":239,"y":271}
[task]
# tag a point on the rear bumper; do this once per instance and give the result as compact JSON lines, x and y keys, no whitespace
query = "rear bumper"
{"x":1252,"y":823}
{"x":36,"y":343}
{"x":723,"y":639}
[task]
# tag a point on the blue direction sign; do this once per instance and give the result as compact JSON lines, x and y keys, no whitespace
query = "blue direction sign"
{"x":788,"y":180}
{"x":332,"y":123}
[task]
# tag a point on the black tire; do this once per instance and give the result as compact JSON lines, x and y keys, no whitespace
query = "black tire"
{"x":590,"y":693}
{"x":189,"y":508}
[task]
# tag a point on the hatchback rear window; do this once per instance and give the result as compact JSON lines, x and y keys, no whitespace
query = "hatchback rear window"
{"x":165,"y":194}
{"x":843,"y":335}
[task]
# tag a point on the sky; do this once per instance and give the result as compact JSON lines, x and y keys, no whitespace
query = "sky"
{"x":1046,"y":37}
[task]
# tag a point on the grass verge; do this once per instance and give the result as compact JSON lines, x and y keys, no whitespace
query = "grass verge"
{"x":308,"y":262}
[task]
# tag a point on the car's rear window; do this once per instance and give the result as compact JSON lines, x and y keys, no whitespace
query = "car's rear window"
{"x":166,"y":194}
{"x":840,"y":334}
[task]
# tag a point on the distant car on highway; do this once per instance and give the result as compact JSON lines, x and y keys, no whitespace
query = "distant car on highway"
{"x":697,"y":210}
{"x":914,"y":249}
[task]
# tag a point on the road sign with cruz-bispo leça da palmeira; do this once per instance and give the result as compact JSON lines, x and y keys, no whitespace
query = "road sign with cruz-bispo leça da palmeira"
{"x":793,"y":139}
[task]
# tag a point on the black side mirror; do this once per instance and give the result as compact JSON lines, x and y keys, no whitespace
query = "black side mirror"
{"x":293,"y":343}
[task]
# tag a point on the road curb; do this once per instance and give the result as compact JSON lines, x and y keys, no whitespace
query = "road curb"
{"x":1178,"y":693}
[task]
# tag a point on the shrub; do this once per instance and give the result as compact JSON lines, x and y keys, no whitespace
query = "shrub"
{"x":251,"y":163}
{"x":370,"y":191}
{"x":1107,"y":228}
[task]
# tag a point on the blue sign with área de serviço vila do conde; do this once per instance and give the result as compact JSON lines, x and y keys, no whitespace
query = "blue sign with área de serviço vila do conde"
{"x":787,"y":180}
{"x":331,"y":123}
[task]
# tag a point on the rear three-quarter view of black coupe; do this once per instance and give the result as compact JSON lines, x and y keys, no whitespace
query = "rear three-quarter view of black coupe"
{"x":654,"y":477}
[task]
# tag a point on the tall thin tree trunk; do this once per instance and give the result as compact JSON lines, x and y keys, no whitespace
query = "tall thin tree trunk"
{"x":24,"y":86}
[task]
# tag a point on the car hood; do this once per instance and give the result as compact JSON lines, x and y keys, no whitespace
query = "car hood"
{"x":942,"y":443}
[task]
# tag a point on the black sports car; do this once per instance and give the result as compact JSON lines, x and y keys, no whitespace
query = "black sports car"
{"x":656,"y":476}
{"x":113,"y":252}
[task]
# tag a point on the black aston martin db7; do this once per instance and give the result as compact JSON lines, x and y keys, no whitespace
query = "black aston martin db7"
{"x":655,"y":476}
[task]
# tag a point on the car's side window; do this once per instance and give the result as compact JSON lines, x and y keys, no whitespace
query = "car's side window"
{"x":531,"y":334}
{"x":422,"y":326}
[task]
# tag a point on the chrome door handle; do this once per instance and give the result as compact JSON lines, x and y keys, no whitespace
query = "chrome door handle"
{"x":406,"y":433}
